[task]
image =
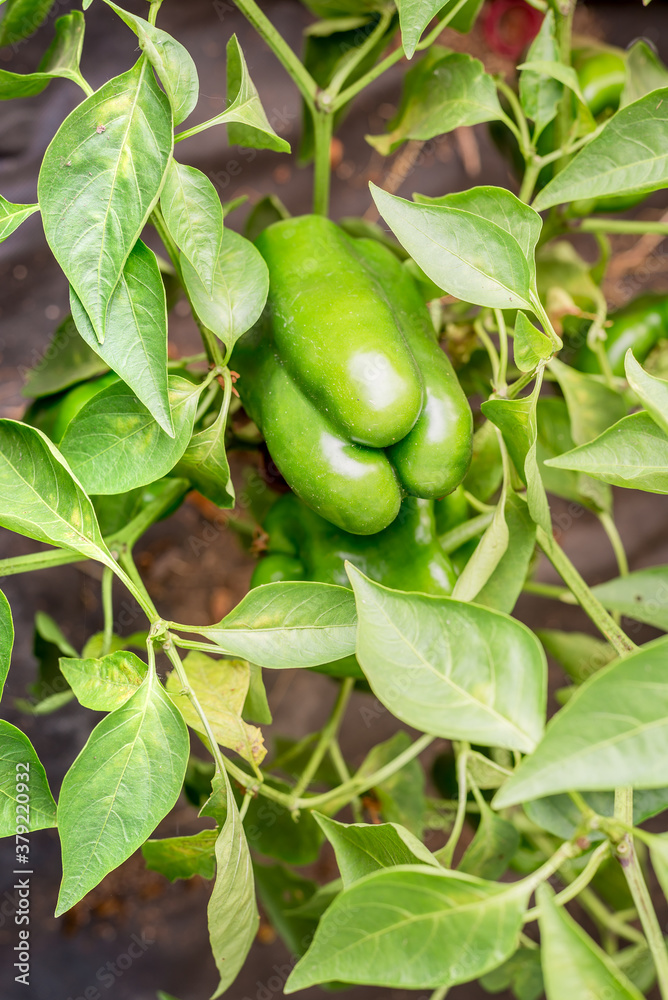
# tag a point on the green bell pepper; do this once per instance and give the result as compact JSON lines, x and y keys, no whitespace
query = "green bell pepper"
{"x":405,"y":556}
{"x":639,"y":325}
{"x":344,"y":377}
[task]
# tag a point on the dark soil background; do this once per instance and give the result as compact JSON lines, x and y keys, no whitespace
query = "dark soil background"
{"x":200,"y":585}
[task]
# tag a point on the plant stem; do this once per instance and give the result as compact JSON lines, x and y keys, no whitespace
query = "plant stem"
{"x":356,"y":57}
{"x":323,"y":125}
{"x":288,"y":59}
{"x":38,"y":560}
{"x":640,"y":893}
{"x":327,"y":735}
{"x":502,"y":386}
{"x":563,"y":31}
{"x":452,"y":539}
{"x":348,"y":790}
{"x":579,"y":882}
{"x":520,"y":126}
{"x":531,"y":173}
{"x":440,"y":994}
{"x":567,"y":851}
{"x":394,"y":57}
{"x":571,"y":148}
{"x":633,"y":226}
{"x":445,"y":855}
{"x":108,"y":609}
{"x":590,"y":604}
{"x":549,"y":590}
{"x":127,"y":572}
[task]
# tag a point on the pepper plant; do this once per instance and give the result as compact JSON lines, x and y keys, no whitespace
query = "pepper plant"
{"x":412,"y":523}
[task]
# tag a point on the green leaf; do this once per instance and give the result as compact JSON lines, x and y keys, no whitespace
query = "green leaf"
{"x":39,"y":496}
{"x":271,"y":829}
{"x":362,"y":848}
{"x":233,"y":916}
{"x":94,"y":200}
{"x":644,"y":72}
{"x":194,"y":217}
{"x":642,"y":595}
{"x":612,"y":732}
{"x":67,"y":360}
{"x":289,"y":624}
{"x":580,"y":655}
{"x":114,"y":444}
{"x":540,"y":93}
{"x":182,"y":857}
{"x":61,"y":59}
{"x":556,"y":70}
{"x":492,"y":849}
{"x":135,"y":346}
{"x":125,"y":780}
{"x":449,"y":668}
{"x":95,"y":645}
{"x":413,"y":927}
{"x":632,"y":453}
{"x":443,"y":91}
{"x":658,"y":846}
{"x":470,"y":257}
{"x":652,"y":392}
{"x":555,"y":438}
{"x":11,"y":216}
{"x":283,"y":891}
{"x":171,"y":61}
{"x":559,"y":815}
{"x":504,"y":586}
{"x":486,"y":557}
{"x":22,"y":19}
{"x":415,"y":15}
{"x":256,"y":706}
{"x":107,"y":683}
{"x":247,"y":122}
{"x":6,"y":639}
{"x":486,"y":470}
{"x":629,"y":155}
{"x":573,"y":964}
{"x":521,"y":973}
{"x":401,"y":797}
{"x":221,"y":687}
{"x":592,"y":405}
{"x":484,"y":772}
{"x":530,"y":345}
{"x":40,"y":811}
{"x":240,"y":288}
{"x":205,"y":464}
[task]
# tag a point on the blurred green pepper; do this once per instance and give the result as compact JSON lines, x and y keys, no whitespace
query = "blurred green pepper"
{"x":639,"y":325}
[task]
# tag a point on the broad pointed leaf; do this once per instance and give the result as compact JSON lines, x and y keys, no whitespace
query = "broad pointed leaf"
{"x":239,"y":291}
{"x":612,"y":732}
{"x":413,"y":927}
{"x":100,"y":178}
{"x":104,"y":684}
{"x":289,"y":624}
{"x":632,"y":453}
{"x":41,"y":498}
{"x":135,"y":346}
{"x":443,"y":91}
{"x":642,"y":595}
{"x":67,"y":360}
{"x":492,"y":849}
{"x":125,"y":780}
{"x":573,"y":964}
{"x":233,"y":916}
{"x":651,"y":391}
{"x":644,"y":72}
{"x":115,"y":445}
{"x":539,"y":93}
{"x":530,"y":345}
{"x":182,"y":857}
{"x":362,"y":848}
{"x":630,"y":154}
{"x":415,"y":15}
{"x":450,"y":668}
{"x":171,"y":61}
{"x":22,"y":18}
{"x":11,"y":216}
{"x":221,"y":687}
{"x":60,"y":60}
{"x":6,"y":639}
{"x":247,"y":123}
{"x":194,"y":216}
{"x":16,"y":748}
{"x":470,"y":257}
{"x":205,"y":463}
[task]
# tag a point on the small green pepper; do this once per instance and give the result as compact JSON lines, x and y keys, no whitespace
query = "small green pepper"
{"x":344,"y":376}
{"x":52,"y":414}
{"x":601,"y":74}
{"x":639,"y":325}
